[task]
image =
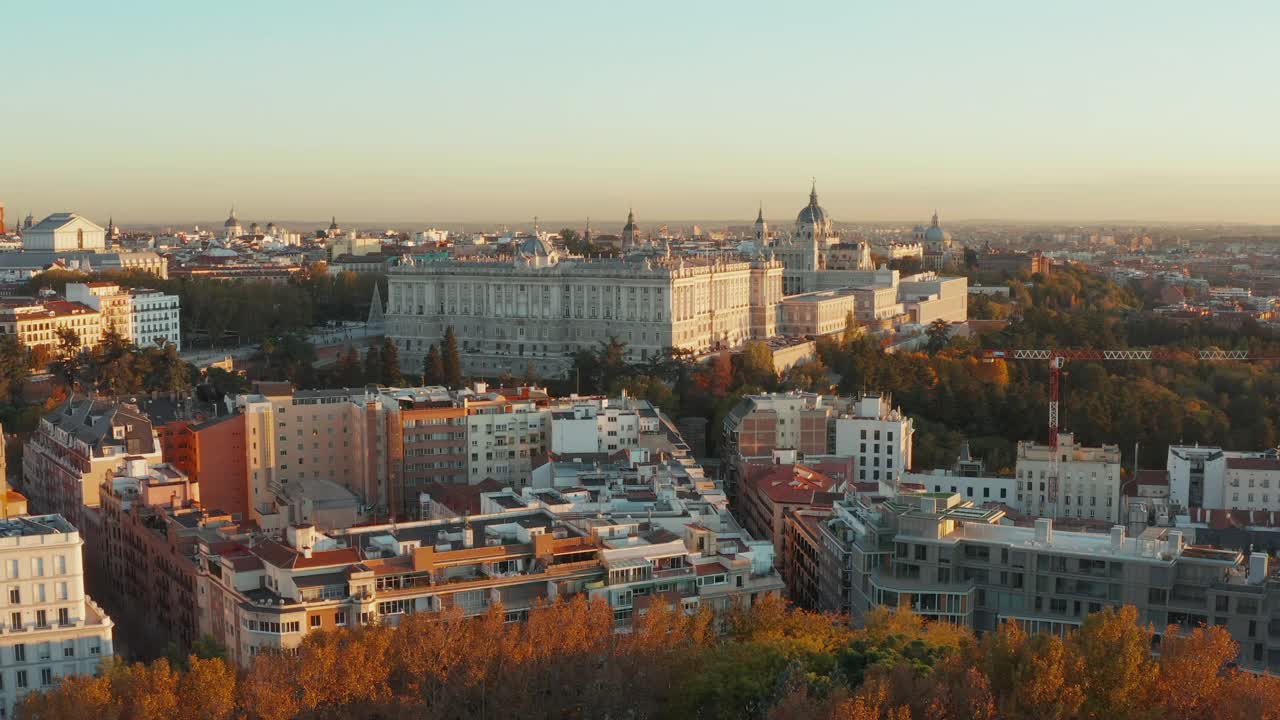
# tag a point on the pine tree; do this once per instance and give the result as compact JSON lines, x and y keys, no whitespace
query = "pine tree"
{"x":373,"y":364}
{"x":349,"y":371}
{"x":391,"y":364}
{"x":433,"y":367}
{"x":451,"y":359}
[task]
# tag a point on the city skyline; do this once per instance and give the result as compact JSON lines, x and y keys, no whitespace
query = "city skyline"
{"x":1001,"y":112}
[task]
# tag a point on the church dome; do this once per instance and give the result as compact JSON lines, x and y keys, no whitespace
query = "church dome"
{"x":631,"y":222}
{"x":231,"y":220}
{"x":936,"y":234}
{"x":813,"y":213}
{"x":333,"y":223}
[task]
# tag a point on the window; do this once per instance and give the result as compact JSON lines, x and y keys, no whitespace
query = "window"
{"x":46,"y":676}
{"x":15,"y":596}
{"x":20,"y":653}
{"x":15,"y":621}
{"x":20,"y":678}
{"x":42,"y":618}
{"x":64,"y":616}
{"x":340,"y":617}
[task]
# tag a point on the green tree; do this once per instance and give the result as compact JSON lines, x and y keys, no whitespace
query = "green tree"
{"x":451,"y":359}
{"x":939,"y":334}
{"x":757,"y":365}
{"x":391,"y":374}
{"x":373,"y":364}
{"x":433,"y":367}
{"x":350,"y":373}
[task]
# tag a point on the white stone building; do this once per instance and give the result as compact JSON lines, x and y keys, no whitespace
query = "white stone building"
{"x":538,"y":307}
{"x":141,"y":315}
{"x":1217,"y":479}
{"x":64,"y":231}
{"x":1074,"y":481}
{"x":877,"y":435}
{"x":49,"y":627}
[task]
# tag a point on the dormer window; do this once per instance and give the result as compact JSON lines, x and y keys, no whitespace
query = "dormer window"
{"x":117,"y":432}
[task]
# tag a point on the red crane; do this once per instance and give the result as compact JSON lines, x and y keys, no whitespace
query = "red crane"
{"x":1058,"y":357}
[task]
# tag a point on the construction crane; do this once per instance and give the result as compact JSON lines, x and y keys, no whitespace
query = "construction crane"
{"x":1057,"y":358}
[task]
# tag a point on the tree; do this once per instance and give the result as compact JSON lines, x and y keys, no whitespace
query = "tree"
{"x":433,"y":367}
{"x":349,"y":372}
{"x":720,"y":378}
{"x":451,"y":359}
{"x":939,"y":334}
{"x":391,"y":374}
{"x":757,"y":365}
{"x":67,"y":360}
{"x":373,"y":364}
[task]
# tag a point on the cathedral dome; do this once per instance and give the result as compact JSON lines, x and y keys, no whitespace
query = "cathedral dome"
{"x":936,"y":234}
{"x":813,"y":213}
{"x":231,"y":220}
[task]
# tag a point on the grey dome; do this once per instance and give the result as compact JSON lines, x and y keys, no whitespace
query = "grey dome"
{"x":231,"y":221}
{"x":813,"y":213}
{"x":937,"y":234}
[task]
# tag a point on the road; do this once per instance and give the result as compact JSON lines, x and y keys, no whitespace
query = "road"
{"x":329,"y":343}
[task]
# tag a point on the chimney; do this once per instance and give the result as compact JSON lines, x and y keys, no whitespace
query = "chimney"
{"x":481,"y":388}
{"x":1044,"y":531}
{"x":468,"y":536}
{"x":306,"y":552}
{"x":1175,"y":542}
{"x":1117,"y":537}
{"x":1257,"y":568}
{"x":301,"y":536}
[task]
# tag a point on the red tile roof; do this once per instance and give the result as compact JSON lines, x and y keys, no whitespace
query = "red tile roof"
{"x":1253,"y":464}
{"x":788,"y":484}
{"x":283,"y":556}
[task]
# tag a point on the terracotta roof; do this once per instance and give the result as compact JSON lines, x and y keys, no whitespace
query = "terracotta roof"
{"x":1153,"y":477}
{"x":461,"y":499}
{"x":788,"y":484}
{"x":1253,"y":464}
{"x":1227,"y":519}
{"x":283,"y":556}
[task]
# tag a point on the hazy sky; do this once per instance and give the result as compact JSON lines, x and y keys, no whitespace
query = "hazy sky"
{"x":469,"y":111}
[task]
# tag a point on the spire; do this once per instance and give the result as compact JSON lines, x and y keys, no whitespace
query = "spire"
{"x":760,"y":215}
{"x":813,"y":193}
{"x":934,"y":223}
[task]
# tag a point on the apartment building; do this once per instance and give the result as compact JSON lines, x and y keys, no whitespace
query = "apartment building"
{"x":150,"y":514}
{"x":504,"y":437}
{"x":1070,"y":481}
{"x":75,"y":449}
{"x":946,"y":559}
{"x":1216,"y":479}
{"x":38,"y":324}
{"x":877,"y":435}
{"x":210,"y":452}
{"x":770,"y":489}
{"x":270,"y":593}
{"x":49,"y":627}
{"x":140,"y":315}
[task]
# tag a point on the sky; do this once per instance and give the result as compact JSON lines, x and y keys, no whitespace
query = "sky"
{"x":439,"y":112}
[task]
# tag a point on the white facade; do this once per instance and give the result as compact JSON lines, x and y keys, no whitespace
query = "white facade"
{"x":978,"y":490}
{"x":503,"y":439}
{"x":141,"y":315}
{"x":49,"y":627}
{"x":1087,"y":480}
{"x":64,"y":231}
{"x":538,"y":309}
{"x":595,"y":428}
{"x":1218,"y":479}
{"x":931,"y":297}
{"x":155,"y":318}
{"x":877,"y":435}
